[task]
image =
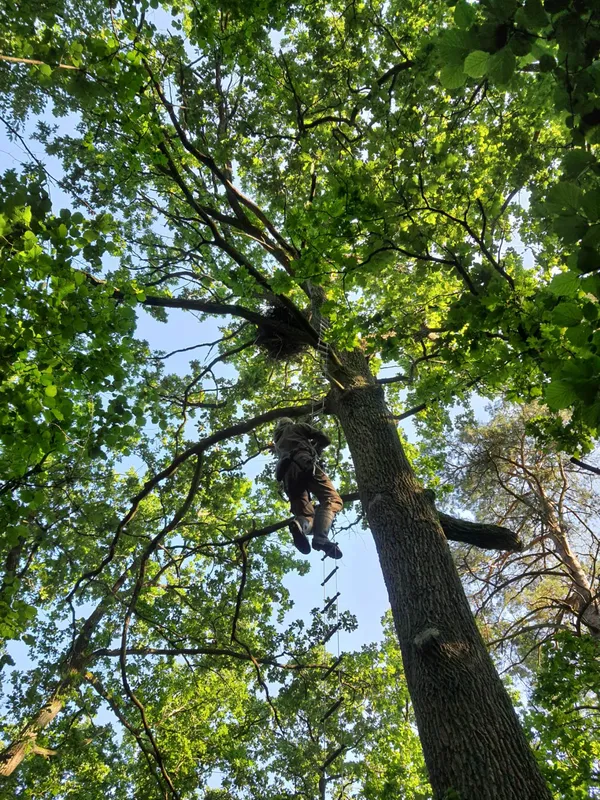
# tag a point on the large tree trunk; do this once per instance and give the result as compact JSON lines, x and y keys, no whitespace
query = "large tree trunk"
{"x":471,"y":738}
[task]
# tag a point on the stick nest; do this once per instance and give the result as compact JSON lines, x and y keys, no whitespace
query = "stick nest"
{"x":279,"y":336}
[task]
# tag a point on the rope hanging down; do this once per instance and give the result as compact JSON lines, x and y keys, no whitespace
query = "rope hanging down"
{"x":333,"y":695}
{"x":335,"y":698}
{"x":322,"y":349}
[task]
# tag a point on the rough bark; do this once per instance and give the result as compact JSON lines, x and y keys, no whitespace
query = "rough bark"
{"x":471,"y":738}
{"x":479,"y":534}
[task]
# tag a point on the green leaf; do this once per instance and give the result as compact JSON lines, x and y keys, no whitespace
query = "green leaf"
{"x":567,"y":314}
{"x":29,"y":240}
{"x":588,"y":260}
{"x":51,"y":390}
{"x":564,"y":195}
{"x":575,"y":161}
{"x":535,"y":15}
{"x":464,"y":14}
{"x":590,"y":311}
{"x":328,"y":306}
{"x":452,"y":76}
{"x":570,"y":227}
{"x":592,"y":236}
{"x":559,"y":394}
{"x":567,"y":284}
{"x":547,"y":63}
{"x":579,"y":335}
{"x":25,"y":215}
{"x":476,"y":64}
{"x":591,"y":204}
{"x":501,"y":66}
{"x":454,"y":46}
{"x":104,"y":223}
{"x":504,"y":9}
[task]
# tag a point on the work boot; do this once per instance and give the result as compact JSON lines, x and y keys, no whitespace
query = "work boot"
{"x":299,"y":527}
{"x":321,"y":542}
{"x":322,"y":525}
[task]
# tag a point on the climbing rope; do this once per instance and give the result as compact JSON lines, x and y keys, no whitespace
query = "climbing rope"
{"x":335,"y":698}
{"x":322,"y":349}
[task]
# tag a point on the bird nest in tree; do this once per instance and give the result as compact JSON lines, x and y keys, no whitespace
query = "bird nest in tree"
{"x":279,"y":335}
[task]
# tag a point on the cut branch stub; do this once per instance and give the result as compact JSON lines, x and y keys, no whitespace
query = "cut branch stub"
{"x":479,"y":534}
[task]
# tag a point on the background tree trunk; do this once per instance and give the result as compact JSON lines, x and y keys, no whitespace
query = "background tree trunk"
{"x":472,"y":741}
{"x":25,"y":743}
{"x":581,"y":597}
{"x":72,"y":670}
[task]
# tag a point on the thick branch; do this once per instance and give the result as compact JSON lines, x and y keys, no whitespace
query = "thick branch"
{"x":584,"y":465}
{"x":480,"y":534}
{"x":190,"y":304}
{"x":240,"y":594}
{"x":25,"y":742}
{"x":36,"y":62}
{"x":395,"y":70}
{"x":222,"y":309}
{"x":206,"y":651}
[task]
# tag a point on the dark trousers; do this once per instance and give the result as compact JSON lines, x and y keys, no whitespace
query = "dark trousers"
{"x":302,"y":480}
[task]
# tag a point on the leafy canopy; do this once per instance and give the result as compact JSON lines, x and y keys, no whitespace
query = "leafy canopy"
{"x":419,"y":179}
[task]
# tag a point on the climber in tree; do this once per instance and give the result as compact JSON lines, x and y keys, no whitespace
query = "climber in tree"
{"x":298,"y":447}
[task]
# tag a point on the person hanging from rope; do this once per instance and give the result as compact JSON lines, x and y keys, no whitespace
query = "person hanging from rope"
{"x":298,"y":447}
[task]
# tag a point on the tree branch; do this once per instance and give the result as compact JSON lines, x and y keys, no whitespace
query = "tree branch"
{"x":584,"y":465}
{"x":240,"y":594}
{"x":479,"y":534}
{"x":36,"y":62}
{"x":395,"y":70}
{"x":106,"y":652}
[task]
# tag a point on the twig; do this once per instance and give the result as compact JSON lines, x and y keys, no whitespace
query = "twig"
{"x":36,"y":62}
